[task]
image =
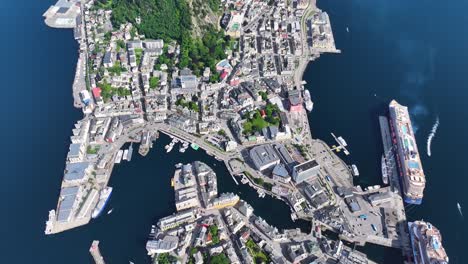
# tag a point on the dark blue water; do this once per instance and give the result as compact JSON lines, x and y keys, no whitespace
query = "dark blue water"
{"x":37,"y":117}
{"x":412,"y":51}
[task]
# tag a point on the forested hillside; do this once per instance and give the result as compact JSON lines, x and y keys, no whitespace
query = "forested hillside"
{"x":166,"y":19}
{"x":192,"y":23}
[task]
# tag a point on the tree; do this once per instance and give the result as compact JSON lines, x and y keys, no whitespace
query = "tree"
{"x":172,"y":20}
{"x":221,"y":132}
{"x":107,"y":36}
{"x":120,"y":44}
{"x":116,"y":69}
{"x":219,"y":259}
{"x":193,"y":251}
{"x":193,"y":106}
{"x":247,"y":128}
{"x":214,"y":234}
{"x":154,"y":81}
{"x":165,"y":19}
{"x":214,"y":77}
{"x":259,"y":181}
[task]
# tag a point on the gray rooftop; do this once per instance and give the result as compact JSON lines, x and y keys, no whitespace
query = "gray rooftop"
{"x":284,"y":154}
{"x":74,"y":150}
{"x":75,"y":171}
{"x":263,"y":155}
{"x":294,"y":97}
{"x":64,"y":4}
{"x":68,"y":197}
{"x":107,"y":57}
{"x":167,"y":243}
{"x":306,"y":166}
{"x":280,"y":171}
{"x":310,"y":190}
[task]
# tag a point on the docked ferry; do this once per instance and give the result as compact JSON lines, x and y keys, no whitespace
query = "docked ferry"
{"x":413,"y":180}
{"x":103,"y":198}
{"x":426,"y":242}
{"x":385,"y":170}
{"x":308,"y":102}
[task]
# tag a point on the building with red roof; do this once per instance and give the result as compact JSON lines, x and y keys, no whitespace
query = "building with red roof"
{"x":97,"y":95}
{"x":96,"y":92}
{"x":223,"y":75}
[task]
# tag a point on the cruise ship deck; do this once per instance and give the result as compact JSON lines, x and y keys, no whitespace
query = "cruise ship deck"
{"x":426,"y":241}
{"x":408,"y":160}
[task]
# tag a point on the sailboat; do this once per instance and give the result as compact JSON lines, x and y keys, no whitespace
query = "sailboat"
{"x":347,"y":29}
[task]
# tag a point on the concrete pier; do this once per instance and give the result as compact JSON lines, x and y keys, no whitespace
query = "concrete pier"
{"x":79,"y":83}
{"x":63,"y":14}
{"x":96,"y":253}
{"x":387,"y":145}
{"x":395,"y":186}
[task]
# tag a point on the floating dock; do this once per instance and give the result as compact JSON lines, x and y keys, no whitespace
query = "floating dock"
{"x":234,"y":178}
{"x":341,"y":145}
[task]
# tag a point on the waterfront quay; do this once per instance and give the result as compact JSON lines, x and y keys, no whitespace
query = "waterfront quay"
{"x":63,"y":14}
{"x":394,"y":182}
{"x":208,"y":227}
{"x":253,"y":118}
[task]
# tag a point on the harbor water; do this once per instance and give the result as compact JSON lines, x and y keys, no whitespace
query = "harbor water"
{"x":413,"y":51}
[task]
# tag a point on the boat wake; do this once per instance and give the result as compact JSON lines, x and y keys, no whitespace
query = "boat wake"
{"x":431,"y":136}
{"x":459,"y":209}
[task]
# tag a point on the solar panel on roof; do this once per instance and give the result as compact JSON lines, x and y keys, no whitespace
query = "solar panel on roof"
{"x":63,"y":215}
{"x":69,"y":190}
{"x":75,"y":171}
{"x":62,"y":10}
{"x":67,"y":202}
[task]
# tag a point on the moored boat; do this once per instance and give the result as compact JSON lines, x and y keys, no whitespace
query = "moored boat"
{"x":385,"y":169}
{"x":194,"y":146}
{"x":355,"y":170}
{"x":130,"y":152}
{"x":183,"y":147}
{"x":309,"y":105}
{"x":118,"y":158}
{"x":103,"y":198}
{"x":169,"y":147}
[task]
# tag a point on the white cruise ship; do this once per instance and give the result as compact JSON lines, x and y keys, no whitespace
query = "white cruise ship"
{"x":426,"y":241}
{"x":408,"y":159}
